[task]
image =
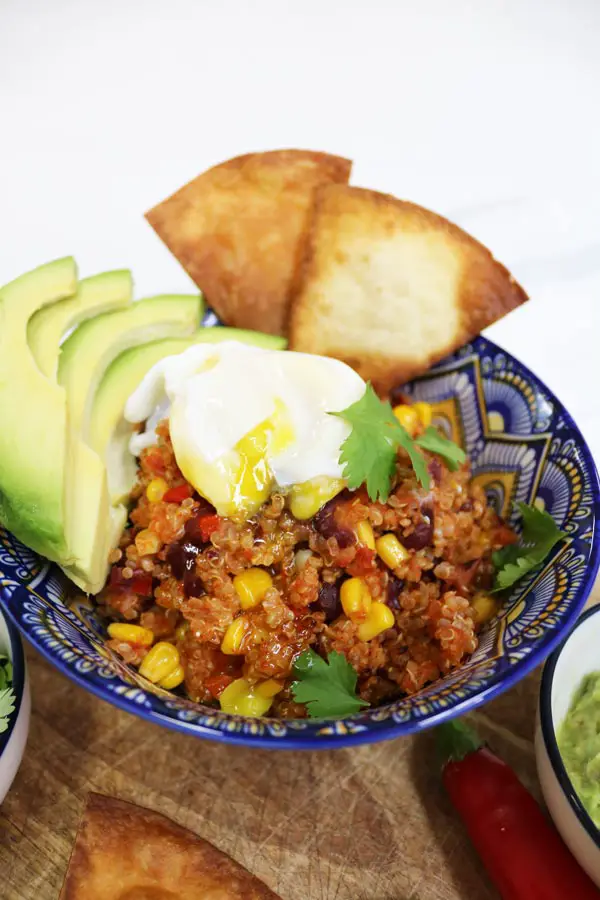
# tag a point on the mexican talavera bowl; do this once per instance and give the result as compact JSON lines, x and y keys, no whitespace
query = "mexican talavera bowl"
{"x":523,"y":445}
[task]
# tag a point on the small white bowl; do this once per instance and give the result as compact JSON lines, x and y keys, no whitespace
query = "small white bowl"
{"x":576,"y":657}
{"x":12,"y":741}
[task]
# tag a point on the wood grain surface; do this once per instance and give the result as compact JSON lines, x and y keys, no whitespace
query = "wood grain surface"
{"x":371,"y":823}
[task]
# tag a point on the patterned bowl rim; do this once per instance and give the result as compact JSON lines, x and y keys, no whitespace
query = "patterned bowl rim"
{"x":311,"y":736}
{"x":549,"y":733}
{"x":17,"y":658}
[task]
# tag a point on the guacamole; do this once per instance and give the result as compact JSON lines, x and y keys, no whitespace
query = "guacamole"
{"x":579,"y":743}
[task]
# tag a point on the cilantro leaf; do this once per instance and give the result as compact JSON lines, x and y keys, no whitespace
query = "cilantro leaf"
{"x":327,"y":688}
{"x":436,"y":442}
{"x":5,"y":672}
{"x":7,"y":706}
{"x":368,"y":455}
{"x":7,"y":695}
{"x":540,"y":534}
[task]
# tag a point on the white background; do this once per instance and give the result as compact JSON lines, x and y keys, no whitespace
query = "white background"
{"x":486,"y":111}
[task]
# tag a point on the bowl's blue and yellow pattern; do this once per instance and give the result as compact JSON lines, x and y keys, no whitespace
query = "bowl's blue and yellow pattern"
{"x":523,"y":446}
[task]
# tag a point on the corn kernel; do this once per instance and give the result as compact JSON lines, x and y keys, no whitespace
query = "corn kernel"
{"x":484,"y":606}
{"x":306,"y":499}
{"x":380,"y":618}
{"x":251,"y":586}
{"x":407,"y":416}
{"x":159,"y":662}
{"x":233,"y":639}
{"x":268,"y":688}
{"x":173,"y":680}
{"x":241,"y":699}
{"x":156,"y":490}
{"x":147,"y":542}
{"x":424,"y":412}
{"x":131,"y":634}
{"x":391,"y":550}
{"x":365,"y":535}
{"x":356,"y":599}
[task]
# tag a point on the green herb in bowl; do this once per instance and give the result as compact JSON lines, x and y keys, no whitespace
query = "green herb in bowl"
{"x":7,"y":695}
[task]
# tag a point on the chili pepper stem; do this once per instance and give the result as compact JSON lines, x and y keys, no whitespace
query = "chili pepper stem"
{"x":455,"y":740}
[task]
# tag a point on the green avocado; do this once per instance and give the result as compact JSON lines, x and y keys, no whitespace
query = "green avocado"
{"x":34,"y":433}
{"x":88,"y":352}
{"x":95,"y":295}
{"x":109,"y":432}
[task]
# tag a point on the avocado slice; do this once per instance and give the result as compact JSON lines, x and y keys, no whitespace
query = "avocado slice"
{"x":97,"y":294}
{"x":109,"y":432}
{"x":88,"y":352}
{"x":34,"y":433}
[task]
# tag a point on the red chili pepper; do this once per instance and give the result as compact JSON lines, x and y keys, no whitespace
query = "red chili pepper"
{"x":216,"y":684}
{"x":208,"y":524}
{"x":520,"y":848}
{"x":178,"y":494}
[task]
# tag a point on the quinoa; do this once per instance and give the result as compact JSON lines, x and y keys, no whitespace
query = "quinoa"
{"x":173,"y":577}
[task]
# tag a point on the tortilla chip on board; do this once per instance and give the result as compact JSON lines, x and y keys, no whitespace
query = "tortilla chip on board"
{"x":124,"y":852}
{"x":238,"y":230}
{"x":391,"y":288}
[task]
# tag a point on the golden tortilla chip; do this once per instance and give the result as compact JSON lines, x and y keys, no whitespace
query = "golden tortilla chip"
{"x":391,"y":288}
{"x":124,"y":852}
{"x":238,"y":230}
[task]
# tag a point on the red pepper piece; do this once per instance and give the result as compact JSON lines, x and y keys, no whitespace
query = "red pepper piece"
{"x":520,"y":848}
{"x":208,"y":524}
{"x":141,"y":583}
{"x":178,"y":494}
{"x":216,"y":684}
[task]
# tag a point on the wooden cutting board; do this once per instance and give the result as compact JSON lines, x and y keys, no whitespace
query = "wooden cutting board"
{"x":371,"y":823}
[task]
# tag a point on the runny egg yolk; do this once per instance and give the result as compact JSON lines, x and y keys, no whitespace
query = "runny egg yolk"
{"x":245,"y":421}
{"x":240,"y":481}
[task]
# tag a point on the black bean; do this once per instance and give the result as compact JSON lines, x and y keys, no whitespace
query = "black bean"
{"x":192,"y":585}
{"x":329,"y":601}
{"x":435,"y":469}
{"x":395,"y":586}
{"x":181,"y":556}
{"x":325,"y":522}
{"x":422,"y":535}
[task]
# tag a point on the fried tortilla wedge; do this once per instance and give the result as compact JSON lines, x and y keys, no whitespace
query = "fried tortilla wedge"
{"x":238,"y":230}
{"x":124,"y":852}
{"x":390,"y":288}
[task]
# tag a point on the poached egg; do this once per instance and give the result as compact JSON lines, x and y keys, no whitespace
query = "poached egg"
{"x":244,"y":420}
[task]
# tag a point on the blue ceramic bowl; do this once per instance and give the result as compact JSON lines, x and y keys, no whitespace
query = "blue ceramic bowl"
{"x":523,"y":446}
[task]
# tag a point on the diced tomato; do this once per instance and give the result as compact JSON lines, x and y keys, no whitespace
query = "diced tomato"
{"x":178,"y":494}
{"x":208,"y":524}
{"x":363,"y":562}
{"x":116,"y":577}
{"x":141,"y":583}
{"x":216,"y":684}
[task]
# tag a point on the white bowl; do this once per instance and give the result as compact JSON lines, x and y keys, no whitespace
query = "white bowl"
{"x":12,"y":741}
{"x":576,"y":657}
